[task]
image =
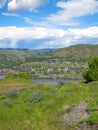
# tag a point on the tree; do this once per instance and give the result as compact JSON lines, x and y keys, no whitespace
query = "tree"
{"x":92,"y":73}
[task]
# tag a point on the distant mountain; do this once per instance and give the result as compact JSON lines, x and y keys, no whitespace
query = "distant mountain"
{"x":44,"y":51}
{"x":13,"y":49}
{"x":35,"y":51}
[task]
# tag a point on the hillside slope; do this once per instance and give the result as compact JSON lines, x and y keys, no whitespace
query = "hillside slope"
{"x":10,"y":57}
{"x":13,"y":57}
{"x":79,"y":52}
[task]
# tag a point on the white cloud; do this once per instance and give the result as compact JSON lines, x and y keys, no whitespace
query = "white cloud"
{"x":50,"y":37}
{"x":27,"y":20}
{"x":10,"y":14}
{"x":14,"y":34}
{"x":72,"y":9}
{"x":76,"y":36}
{"x":67,"y":12}
{"x":29,"y":5}
{"x":2,"y":3}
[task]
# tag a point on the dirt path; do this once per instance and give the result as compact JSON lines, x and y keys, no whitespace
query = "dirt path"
{"x":77,"y":112}
{"x":74,"y":116}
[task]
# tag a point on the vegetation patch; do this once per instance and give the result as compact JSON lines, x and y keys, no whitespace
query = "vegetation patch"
{"x":92,"y":73}
{"x":43,"y":106}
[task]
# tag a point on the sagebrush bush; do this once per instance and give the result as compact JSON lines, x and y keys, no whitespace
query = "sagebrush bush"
{"x":35,"y":97}
{"x":13,"y":93}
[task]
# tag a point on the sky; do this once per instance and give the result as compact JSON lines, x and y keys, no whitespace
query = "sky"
{"x":38,"y":24}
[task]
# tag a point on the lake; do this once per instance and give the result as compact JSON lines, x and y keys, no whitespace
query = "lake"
{"x":51,"y":80}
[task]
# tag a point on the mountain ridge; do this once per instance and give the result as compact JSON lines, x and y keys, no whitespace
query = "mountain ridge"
{"x":77,"y":52}
{"x":80,"y":52}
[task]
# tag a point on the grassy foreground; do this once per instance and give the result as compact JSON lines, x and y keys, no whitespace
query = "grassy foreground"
{"x":41,"y":106}
{"x":8,"y":84}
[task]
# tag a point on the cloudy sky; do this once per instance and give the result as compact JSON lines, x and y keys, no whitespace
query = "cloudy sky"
{"x":48,"y":23}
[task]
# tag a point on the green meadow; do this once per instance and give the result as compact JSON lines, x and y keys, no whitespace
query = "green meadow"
{"x":25,"y":105}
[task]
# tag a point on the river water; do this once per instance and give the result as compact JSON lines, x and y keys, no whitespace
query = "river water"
{"x":2,"y":76}
{"x":51,"y":80}
{"x":46,"y":79}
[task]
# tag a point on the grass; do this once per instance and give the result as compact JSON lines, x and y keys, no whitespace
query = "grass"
{"x":42,"y":107}
{"x":9,"y":84}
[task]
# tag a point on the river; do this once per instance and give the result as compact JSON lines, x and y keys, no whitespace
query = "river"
{"x":46,"y":79}
{"x":2,"y":76}
{"x":51,"y":80}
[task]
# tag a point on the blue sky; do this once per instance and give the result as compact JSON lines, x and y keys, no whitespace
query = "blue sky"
{"x":48,"y":23}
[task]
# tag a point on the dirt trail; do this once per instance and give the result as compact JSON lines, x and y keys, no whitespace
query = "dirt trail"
{"x":74,"y":116}
{"x":76,"y":113}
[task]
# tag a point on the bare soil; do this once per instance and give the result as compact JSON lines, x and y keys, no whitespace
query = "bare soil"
{"x":76,"y":114}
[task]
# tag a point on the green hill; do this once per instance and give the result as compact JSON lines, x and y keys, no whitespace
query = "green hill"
{"x":79,"y":52}
{"x":12,"y":57}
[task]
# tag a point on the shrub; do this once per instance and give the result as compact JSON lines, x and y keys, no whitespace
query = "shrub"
{"x":59,"y":84}
{"x":13,"y":93}
{"x":8,"y":102}
{"x":21,"y":75}
{"x":35,"y":97}
{"x":92,"y":73}
{"x":87,"y":76}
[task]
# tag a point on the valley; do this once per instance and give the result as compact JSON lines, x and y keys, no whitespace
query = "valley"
{"x":52,"y":63}
{"x":48,"y":102}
